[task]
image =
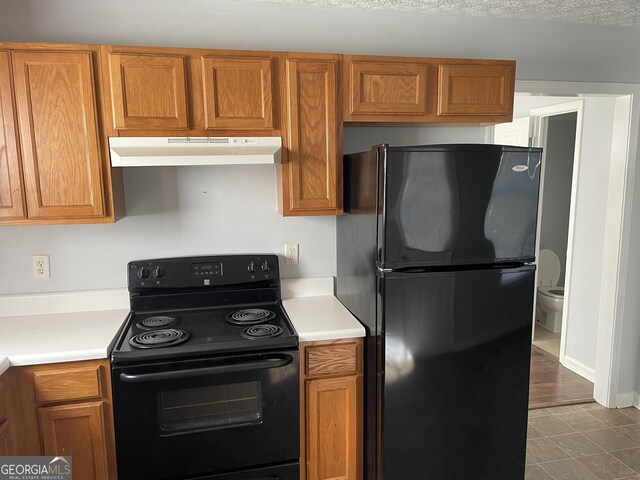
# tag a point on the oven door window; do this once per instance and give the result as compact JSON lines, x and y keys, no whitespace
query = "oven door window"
{"x":209,"y":408}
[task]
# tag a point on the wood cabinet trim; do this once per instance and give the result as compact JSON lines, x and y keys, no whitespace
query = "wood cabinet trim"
{"x":13,"y":206}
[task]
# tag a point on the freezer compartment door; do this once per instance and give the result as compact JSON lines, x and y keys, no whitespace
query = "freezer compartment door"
{"x":459,"y":205}
{"x":456,"y":374}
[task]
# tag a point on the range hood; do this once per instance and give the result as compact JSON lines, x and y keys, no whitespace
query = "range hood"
{"x":180,"y":151}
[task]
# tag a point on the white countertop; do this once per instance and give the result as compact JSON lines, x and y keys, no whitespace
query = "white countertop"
{"x":322,"y":317}
{"x":72,"y":326}
{"x":58,"y":337}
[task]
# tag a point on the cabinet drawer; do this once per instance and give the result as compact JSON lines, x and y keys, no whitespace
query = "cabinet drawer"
{"x":68,"y":384}
{"x":331,"y":359}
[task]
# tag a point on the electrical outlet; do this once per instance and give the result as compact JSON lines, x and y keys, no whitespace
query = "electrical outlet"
{"x":41,"y":266}
{"x":291,"y":253}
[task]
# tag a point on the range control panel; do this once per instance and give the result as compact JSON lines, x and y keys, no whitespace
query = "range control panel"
{"x":208,"y":271}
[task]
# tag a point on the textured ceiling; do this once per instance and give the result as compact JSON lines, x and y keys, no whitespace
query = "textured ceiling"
{"x":604,"y":12}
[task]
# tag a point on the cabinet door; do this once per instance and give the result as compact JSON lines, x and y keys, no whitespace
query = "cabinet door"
{"x":59,"y":135}
{"x":6,"y":441}
{"x":237,"y":92}
{"x":381,"y":90}
{"x":11,"y":190}
{"x":78,"y":431}
{"x":332,"y":428}
{"x":475,"y":89}
{"x":148,"y":91}
{"x":312,"y":174}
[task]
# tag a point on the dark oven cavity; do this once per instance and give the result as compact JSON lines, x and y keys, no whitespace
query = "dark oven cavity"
{"x":205,"y":373}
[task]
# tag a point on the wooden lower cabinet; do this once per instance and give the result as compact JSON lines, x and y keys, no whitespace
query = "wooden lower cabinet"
{"x":331,"y":411}
{"x":5,"y":439}
{"x":65,"y":409}
{"x":6,"y":424}
{"x":78,"y":431}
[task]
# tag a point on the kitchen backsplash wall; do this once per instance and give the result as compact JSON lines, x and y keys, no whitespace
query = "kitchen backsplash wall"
{"x":170,"y":212}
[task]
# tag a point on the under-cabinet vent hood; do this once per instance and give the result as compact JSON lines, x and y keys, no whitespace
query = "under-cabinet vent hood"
{"x":180,"y":151}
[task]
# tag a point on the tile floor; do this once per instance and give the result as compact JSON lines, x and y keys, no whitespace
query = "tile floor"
{"x":583,"y":442}
{"x":551,"y":384}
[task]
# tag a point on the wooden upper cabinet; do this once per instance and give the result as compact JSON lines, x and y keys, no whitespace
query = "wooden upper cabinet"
{"x":11,"y":189}
{"x":382,"y":90}
{"x":312,"y":173}
{"x":473,"y":89}
{"x":148,"y":91}
{"x":427,"y":90}
{"x":237,"y":92}
{"x":59,"y":134}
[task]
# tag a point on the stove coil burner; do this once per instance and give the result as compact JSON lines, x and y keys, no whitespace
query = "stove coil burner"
{"x":159,"y":338}
{"x":250,"y":316}
{"x":158,"y":321}
{"x":261,"y":331}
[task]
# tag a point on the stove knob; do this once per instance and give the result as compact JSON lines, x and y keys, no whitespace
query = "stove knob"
{"x":265,"y":267}
{"x":252,"y":267}
{"x":143,"y":273}
{"x":158,"y":272}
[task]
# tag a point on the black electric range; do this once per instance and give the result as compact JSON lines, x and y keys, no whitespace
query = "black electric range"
{"x":207,"y":361}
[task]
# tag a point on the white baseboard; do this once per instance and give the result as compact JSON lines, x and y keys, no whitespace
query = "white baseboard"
{"x":628,"y":399}
{"x":579,"y":368}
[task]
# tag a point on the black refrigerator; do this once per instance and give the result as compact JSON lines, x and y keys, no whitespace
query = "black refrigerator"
{"x":435,"y":258}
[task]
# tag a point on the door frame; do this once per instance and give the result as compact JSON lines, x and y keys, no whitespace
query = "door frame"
{"x":615,"y":324}
{"x":539,"y":127}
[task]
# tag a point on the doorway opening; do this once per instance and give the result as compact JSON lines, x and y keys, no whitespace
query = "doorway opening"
{"x":558,"y":141}
{"x":557,"y":129}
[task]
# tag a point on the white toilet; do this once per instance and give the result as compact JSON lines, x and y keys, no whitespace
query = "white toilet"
{"x":550,"y":297}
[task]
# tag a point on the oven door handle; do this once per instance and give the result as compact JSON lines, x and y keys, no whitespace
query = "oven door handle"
{"x":259,"y":363}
